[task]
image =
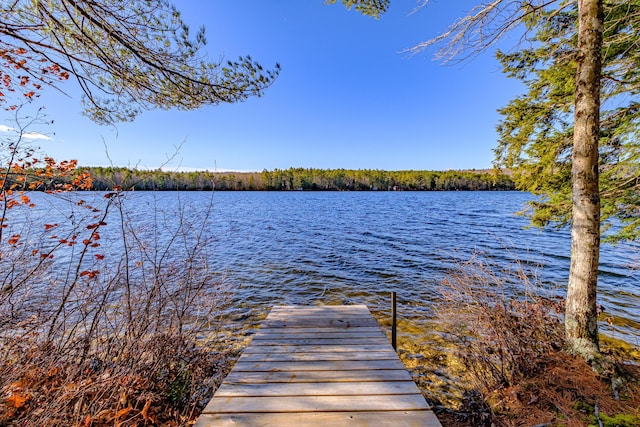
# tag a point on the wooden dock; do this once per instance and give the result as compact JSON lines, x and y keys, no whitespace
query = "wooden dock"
{"x":313,"y":366}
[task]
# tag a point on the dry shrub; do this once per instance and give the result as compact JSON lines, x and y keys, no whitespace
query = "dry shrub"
{"x":101,"y":322}
{"x":163,"y":385}
{"x":501,"y":321}
{"x":106,"y":328}
{"x":506,"y":330}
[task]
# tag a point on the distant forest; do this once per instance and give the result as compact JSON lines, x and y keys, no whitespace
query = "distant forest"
{"x":106,"y":178}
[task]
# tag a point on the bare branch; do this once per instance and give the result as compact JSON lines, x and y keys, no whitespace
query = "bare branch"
{"x":127,"y":58}
{"x":483,"y":27}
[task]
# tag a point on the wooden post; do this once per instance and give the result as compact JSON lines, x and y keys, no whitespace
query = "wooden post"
{"x":393,"y":321}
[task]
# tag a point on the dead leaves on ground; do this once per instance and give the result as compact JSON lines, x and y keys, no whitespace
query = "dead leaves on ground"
{"x":126,"y":409}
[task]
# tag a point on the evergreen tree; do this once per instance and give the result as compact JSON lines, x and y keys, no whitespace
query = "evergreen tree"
{"x":367,"y":7}
{"x":126,"y":57}
{"x":536,"y":132}
{"x":572,"y":139}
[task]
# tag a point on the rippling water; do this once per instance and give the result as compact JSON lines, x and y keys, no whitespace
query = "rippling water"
{"x":357,"y":247}
{"x":354,"y":247}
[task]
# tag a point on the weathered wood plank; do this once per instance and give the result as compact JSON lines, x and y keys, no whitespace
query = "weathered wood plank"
{"x":323,"y":365}
{"x":308,"y":357}
{"x":330,"y":309}
{"x":315,"y":348}
{"x":284,"y":334}
{"x":320,"y":322}
{"x":317,"y":389}
{"x":311,"y":376}
{"x":317,"y":315}
{"x":403,"y":402}
{"x":322,"y":341}
{"x":294,"y":331}
{"x":328,"y":419}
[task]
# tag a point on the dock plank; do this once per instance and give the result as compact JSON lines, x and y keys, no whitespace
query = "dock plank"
{"x":317,"y":330}
{"x":406,"y":402}
{"x":322,"y":341}
{"x":318,"y":366}
{"x":320,"y":322}
{"x":330,"y":310}
{"x":314,"y":376}
{"x":317,"y":389}
{"x":352,"y":347}
{"x":319,"y":333}
{"x":329,"y":419}
{"x":318,"y":356}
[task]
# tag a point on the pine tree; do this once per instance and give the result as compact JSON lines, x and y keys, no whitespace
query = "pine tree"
{"x":126,"y":57}
{"x":536,"y":132}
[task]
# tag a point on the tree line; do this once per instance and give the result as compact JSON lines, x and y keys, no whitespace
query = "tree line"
{"x":309,"y":179}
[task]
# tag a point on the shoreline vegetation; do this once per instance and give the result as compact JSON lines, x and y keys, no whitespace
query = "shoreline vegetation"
{"x":496,"y":358}
{"x":96,"y":338}
{"x":307,"y":179}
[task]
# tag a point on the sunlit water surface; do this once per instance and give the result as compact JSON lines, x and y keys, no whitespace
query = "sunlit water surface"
{"x":356,"y":247}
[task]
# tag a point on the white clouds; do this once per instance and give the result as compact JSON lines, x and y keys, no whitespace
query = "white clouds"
{"x":35,"y":135}
{"x":26,"y":135}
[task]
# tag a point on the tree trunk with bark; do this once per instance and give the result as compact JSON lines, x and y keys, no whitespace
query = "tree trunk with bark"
{"x":581,"y":313}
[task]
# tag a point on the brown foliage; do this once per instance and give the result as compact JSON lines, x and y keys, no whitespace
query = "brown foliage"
{"x":24,"y":73}
{"x":565,"y":392}
{"x":500,"y":322}
{"x":112,"y":340}
{"x":506,"y":330}
{"x":91,"y":337}
{"x":161,"y":385}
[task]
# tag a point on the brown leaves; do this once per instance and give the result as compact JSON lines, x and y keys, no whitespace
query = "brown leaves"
{"x":20,"y":67}
{"x":67,"y":242}
{"x":11,"y":203}
{"x":111,"y":417}
{"x":21,"y":81}
{"x":145,"y":410}
{"x":45,"y":174}
{"x":122,"y":413}
{"x":83,"y":181}
{"x":90,"y":274}
{"x":17,"y":400}
{"x":122,"y":381}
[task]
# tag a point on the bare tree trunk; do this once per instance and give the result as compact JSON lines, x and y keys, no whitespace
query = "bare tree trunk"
{"x":580,"y":315}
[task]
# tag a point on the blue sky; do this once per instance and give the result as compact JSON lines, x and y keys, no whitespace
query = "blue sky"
{"x":347,"y":97}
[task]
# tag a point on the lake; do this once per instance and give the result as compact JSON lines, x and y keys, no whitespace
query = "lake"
{"x":356,"y":247}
